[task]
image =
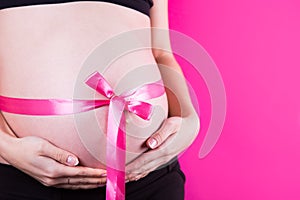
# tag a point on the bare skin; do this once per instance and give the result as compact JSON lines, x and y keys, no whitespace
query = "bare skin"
{"x":60,"y":67}
{"x":25,"y":67}
{"x":76,"y":29}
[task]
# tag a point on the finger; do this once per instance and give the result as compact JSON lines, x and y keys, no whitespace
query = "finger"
{"x":151,"y":160}
{"x":161,"y":151}
{"x":59,"y":155}
{"x":80,"y":171}
{"x":141,"y":172}
{"x":140,"y":176}
{"x":79,"y":181}
{"x":140,"y":163}
{"x":170,"y":126}
{"x":77,"y":187}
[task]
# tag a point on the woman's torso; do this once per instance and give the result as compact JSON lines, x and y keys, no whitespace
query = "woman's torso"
{"x":44,"y":53}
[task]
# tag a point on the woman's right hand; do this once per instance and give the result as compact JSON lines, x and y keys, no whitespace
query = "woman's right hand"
{"x":51,"y":165}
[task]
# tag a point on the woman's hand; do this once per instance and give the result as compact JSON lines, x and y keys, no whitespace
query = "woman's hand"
{"x":174,"y":136}
{"x":51,"y":165}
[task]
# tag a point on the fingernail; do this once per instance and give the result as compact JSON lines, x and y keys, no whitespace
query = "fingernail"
{"x":104,"y":175}
{"x":126,"y":181}
{"x":152,"y":143}
{"x":71,"y":160}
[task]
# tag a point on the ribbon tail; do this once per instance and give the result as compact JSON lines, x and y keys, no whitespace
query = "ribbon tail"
{"x":44,"y":107}
{"x":121,"y":156}
{"x":115,"y":151}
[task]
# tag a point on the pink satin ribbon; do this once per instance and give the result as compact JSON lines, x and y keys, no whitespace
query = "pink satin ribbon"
{"x":132,"y":101}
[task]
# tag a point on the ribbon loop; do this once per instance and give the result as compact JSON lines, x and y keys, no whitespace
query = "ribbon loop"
{"x":98,"y":83}
{"x":140,"y":108}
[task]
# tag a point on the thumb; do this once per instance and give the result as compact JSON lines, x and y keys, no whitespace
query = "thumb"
{"x":60,"y":155}
{"x":168,"y":127}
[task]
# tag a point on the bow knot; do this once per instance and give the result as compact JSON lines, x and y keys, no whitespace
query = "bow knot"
{"x":131,"y":104}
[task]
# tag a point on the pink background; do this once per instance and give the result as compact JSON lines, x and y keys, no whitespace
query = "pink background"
{"x":256,"y":46}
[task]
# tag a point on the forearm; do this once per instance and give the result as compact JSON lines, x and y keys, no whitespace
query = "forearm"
{"x":179,"y":100}
{"x":176,"y":88}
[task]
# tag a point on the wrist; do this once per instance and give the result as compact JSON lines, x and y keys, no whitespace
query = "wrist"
{"x":6,"y":143}
{"x":190,"y":128}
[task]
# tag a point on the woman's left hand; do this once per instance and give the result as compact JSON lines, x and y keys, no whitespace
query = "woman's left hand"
{"x":174,"y":136}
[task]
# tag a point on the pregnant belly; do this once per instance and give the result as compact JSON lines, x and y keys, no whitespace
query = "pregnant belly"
{"x":84,"y":134}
